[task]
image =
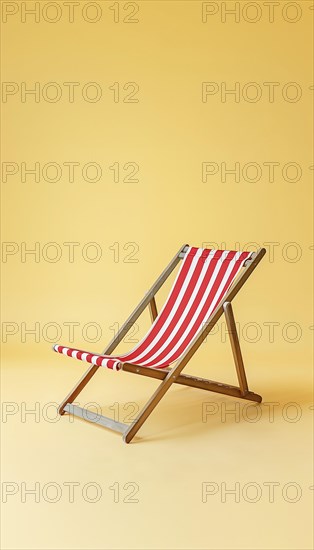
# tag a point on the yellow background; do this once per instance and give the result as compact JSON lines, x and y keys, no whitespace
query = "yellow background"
{"x":169,"y":133}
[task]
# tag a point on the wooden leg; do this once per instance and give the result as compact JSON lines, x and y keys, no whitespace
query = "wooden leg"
{"x":153,"y":309}
{"x":151,"y":404}
{"x":236,"y":350}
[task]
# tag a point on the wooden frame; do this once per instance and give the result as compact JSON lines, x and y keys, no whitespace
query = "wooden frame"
{"x":173,"y":375}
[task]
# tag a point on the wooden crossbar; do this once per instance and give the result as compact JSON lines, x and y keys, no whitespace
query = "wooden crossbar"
{"x":193,"y":382}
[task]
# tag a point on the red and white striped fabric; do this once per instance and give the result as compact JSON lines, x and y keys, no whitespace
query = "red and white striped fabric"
{"x":100,"y":360}
{"x":201,"y":283}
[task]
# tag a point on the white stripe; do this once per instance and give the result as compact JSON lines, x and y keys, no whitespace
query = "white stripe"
{"x":216,"y":301}
{"x":177,"y":303}
{"x":186,"y":310}
{"x":117,"y":365}
{"x":162,"y":309}
{"x":199,"y":308}
{"x":196,"y":313}
{"x":219,"y":298}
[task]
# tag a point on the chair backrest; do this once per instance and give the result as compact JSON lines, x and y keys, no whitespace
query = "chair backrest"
{"x":201,"y":283}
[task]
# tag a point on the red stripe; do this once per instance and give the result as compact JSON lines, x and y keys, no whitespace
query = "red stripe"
{"x":188,"y":313}
{"x":200,"y":318}
{"x":89,"y":356}
{"x":233,"y":274}
{"x":166,"y":311}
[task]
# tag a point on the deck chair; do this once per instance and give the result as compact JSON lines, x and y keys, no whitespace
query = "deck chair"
{"x":204,"y":288}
